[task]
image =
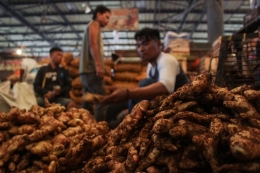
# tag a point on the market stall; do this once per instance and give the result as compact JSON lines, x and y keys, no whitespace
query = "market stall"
{"x":199,"y":128}
{"x":209,"y":125}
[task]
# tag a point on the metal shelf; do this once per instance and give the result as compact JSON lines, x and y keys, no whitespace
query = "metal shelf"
{"x":251,"y":22}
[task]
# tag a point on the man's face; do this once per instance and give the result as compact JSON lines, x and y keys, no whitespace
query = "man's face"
{"x":103,"y":18}
{"x":56,"y":57}
{"x":148,"y":49}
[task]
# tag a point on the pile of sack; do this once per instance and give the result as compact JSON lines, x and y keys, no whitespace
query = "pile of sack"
{"x":109,"y":65}
{"x":128,"y":75}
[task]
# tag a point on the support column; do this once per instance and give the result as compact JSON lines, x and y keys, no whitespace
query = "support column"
{"x":215,"y":19}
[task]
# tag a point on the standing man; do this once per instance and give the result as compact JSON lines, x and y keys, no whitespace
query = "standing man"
{"x":53,"y":82}
{"x":164,"y":73}
{"x":91,"y":67}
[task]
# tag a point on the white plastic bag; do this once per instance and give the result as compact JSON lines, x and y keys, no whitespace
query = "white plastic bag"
{"x":6,"y":97}
{"x":24,"y":95}
{"x":171,"y":36}
{"x":6,"y":102}
{"x":27,"y":65}
{"x":5,"y":87}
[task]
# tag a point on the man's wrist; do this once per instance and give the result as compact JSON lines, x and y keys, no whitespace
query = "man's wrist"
{"x":54,"y":93}
{"x":98,"y":65}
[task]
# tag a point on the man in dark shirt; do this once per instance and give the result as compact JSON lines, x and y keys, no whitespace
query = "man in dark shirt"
{"x":53,"y":81}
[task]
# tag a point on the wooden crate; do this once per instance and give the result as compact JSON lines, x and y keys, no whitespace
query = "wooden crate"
{"x":183,"y":63}
{"x":208,"y":64}
{"x":216,"y":47}
{"x":179,"y":46}
{"x":181,"y":50}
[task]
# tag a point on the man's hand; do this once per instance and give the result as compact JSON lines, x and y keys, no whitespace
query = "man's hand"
{"x":92,"y":98}
{"x":118,"y":95}
{"x":100,"y":72}
{"x":110,"y":89}
{"x":56,"y":90}
{"x":50,"y":95}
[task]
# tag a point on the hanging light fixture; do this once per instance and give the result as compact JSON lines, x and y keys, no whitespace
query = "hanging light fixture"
{"x":19,"y":52}
{"x":87,"y":8}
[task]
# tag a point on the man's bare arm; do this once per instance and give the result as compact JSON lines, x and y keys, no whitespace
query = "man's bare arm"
{"x":143,"y":93}
{"x":148,"y":92}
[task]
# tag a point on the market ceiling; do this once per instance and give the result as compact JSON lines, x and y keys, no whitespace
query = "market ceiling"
{"x":36,"y":25}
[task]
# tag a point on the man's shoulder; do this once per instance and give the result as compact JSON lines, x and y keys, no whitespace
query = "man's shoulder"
{"x":43,"y":67}
{"x":94,"y":25}
{"x":166,"y":57}
{"x":62,"y":68}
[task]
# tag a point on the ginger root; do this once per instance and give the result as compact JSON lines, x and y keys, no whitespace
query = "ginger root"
{"x":245,"y":145}
{"x":24,"y":129}
{"x":42,"y":148}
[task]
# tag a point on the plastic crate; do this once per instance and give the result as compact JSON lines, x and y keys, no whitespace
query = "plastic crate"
{"x":239,"y":61}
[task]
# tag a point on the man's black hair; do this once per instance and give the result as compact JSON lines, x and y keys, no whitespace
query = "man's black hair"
{"x":148,"y":34}
{"x":100,"y":9}
{"x":54,"y":49}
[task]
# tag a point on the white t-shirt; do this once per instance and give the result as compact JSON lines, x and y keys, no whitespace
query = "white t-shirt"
{"x":168,"y":68}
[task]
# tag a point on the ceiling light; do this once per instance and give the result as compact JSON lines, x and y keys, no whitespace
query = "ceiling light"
{"x":87,"y":9}
{"x":18,"y":51}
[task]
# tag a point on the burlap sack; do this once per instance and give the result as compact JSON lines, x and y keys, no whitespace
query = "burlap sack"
{"x":129,"y":85}
{"x":77,"y":92}
{"x":109,"y":62}
{"x":76,"y":83}
{"x":141,"y":76}
{"x":77,"y":100}
{"x":73,"y":71}
{"x":108,"y":71}
{"x":67,"y":58}
{"x":125,"y":76}
{"x":75,"y":62}
{"x":129,"y":67}
{"x":108,"y":80}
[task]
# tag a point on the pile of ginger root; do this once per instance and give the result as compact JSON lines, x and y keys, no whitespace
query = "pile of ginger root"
{"x":199,"y":128}
{"x":48,"y":140}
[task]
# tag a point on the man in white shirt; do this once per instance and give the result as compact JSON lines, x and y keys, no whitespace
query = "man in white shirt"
{"x":164,"y":73}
